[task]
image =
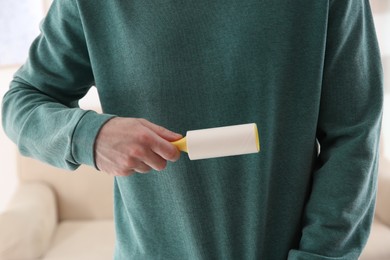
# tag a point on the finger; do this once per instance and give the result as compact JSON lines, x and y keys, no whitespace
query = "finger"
{"x":154,"y":161}
{"x":161,"y":131}
{"x":145,"y":153}
{"x":142,"y":168}
{"x":136,"y":162}
{"x":166,"y":150}
{"x":124,"y":174}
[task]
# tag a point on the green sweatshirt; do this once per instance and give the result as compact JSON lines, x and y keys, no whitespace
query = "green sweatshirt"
{"x":307,"y":72}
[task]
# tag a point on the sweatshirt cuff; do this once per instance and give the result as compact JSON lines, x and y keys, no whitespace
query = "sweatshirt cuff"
{"x":84,"y":137}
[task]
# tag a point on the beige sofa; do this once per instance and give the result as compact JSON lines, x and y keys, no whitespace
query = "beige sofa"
{"x":58,"y":215}
{"x":61,"y":215}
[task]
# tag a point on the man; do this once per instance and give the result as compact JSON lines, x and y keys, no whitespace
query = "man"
{"x":307,"y":72}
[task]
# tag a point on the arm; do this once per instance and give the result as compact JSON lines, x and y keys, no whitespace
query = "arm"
{"x":40,"y":110}
{"x":41,"y":113}
{"x":340,"y":208}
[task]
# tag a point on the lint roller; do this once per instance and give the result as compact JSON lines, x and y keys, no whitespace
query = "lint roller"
{"x":220,"y":141}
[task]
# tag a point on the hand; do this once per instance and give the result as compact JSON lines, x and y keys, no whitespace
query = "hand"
{"x":128,"y":145}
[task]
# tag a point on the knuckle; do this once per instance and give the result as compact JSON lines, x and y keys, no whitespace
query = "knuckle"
{"x":136,"y":152}
{"x":142,"y":121}
{"x":122,"y":173}
{"x":126,"y":162}
{"x":128,"y":166}
{"x":128,"y":173}
{"x":143,"y":169}
{"x":162,"y":129}
{"x":161,"y":166}
{"x":144,"y":138}
{"x":172,"y":154}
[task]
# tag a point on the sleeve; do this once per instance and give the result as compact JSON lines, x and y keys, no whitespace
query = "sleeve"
{"x":40,"y":111}
{"x":340,"y":208}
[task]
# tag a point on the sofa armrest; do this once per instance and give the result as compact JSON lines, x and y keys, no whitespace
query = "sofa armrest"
{"x":383,"y":198}
{"x":28,"y":223}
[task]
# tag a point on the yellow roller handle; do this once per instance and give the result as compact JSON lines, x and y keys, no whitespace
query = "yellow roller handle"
{"x":257,"y":138}
{"x":181,"y":144}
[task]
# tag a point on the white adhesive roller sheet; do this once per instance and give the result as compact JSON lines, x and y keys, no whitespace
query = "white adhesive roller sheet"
{"x":220,"y":141}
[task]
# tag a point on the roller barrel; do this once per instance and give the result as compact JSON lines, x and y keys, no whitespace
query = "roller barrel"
{"x":220,"y":141}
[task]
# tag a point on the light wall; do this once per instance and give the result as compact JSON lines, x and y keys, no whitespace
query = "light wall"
{"x":8,"y":151}
{"x":381,"y":10}
{"x":19,"y":24}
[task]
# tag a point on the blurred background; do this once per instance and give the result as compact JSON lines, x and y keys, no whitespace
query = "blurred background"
{"x":19,"y":25}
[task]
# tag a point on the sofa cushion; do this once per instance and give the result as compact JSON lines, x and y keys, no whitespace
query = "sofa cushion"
{"x":377,"y":247}
{"x":83,"y":240}
{"x":83,"y":194}
{"x":28,"y":223}
{"x":383,"y":205}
